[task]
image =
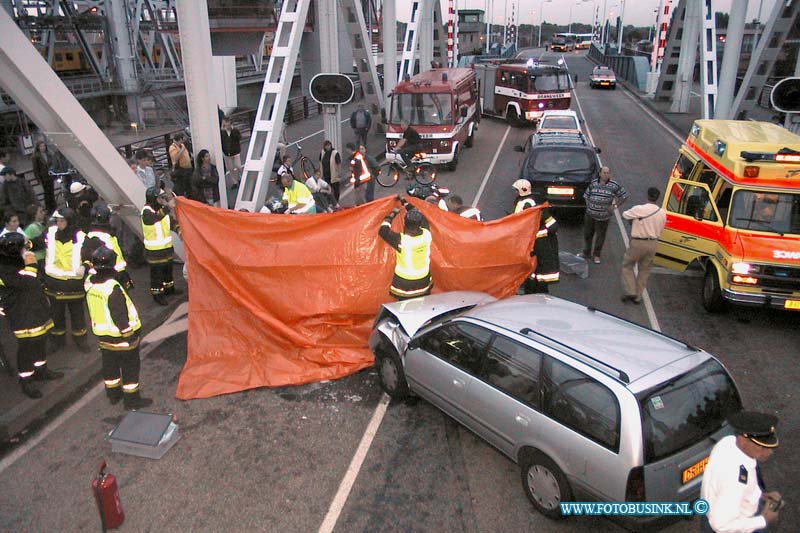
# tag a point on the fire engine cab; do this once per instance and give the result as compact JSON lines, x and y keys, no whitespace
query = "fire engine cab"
{"x":442,"y":105}
{"x":520,"y":91}
{"x":733,"y":206}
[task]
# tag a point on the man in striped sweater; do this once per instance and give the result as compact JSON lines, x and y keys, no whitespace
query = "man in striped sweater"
{"x":602,"y":197}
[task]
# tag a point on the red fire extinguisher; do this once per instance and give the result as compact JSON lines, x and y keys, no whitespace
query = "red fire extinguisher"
{"x":106,"y":494}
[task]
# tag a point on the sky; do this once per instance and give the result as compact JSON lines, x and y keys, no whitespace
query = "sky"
{"x":637,"y":12}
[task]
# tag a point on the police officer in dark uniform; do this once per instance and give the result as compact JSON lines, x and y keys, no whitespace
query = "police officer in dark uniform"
{"x":412,"y":271}
{"x":732,"y":483}
{"x":545,"y":249}
{"x":116,"y":324}
{"x":28,"y":311}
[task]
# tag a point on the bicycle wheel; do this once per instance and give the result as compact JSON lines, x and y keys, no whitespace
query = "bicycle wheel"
{"x":388,"y":175}
{"x":307,"y":166}
{"x":425,"y":174}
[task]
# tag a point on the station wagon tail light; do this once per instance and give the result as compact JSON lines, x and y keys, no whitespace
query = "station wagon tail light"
{"x":634,"y":489}
{"x":750,"y":171}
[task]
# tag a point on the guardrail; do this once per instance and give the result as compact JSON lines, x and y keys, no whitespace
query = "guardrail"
{"x":632,"y":69}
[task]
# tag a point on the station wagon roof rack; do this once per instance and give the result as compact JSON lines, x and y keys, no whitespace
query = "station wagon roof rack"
{"x":621,"y":375}
{"x":631,"y":322}
{"x":574,"y":137}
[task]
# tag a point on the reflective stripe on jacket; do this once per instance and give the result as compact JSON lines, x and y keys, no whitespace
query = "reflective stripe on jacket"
{"x":156,"y":236}
{"x":63,"y":259}
{"x":414,"y":256}
{"x":97,"y":295}
{"x":356,"y":177}
{"x":112,"y":243}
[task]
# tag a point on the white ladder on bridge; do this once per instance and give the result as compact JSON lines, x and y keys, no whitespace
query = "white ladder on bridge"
{"x":361,"y":44}
{"x":410,"y":42}
{"x":708,"y":58}
{"x":268,"y":123}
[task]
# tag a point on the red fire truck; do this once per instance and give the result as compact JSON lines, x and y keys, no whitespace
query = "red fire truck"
{"x":442,"y":105}
{"x":521,"y":91}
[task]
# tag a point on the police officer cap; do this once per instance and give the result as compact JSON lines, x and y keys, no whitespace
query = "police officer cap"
{"x":64,"y":212}
{"x":101,"y":215}
{"x":11,"y":244}
{"x":758,"y":427}
{"x":104,"y":258}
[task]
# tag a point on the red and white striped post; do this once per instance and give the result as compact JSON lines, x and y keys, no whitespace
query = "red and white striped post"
{"x":659,"y":45}
{"x":450,"y":37}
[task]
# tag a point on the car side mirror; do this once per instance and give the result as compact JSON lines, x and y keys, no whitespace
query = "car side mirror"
{"x":597,"y":150}
{"x":413,"y":344}
{"x":464,"y":111}
{"x":519,"y":148}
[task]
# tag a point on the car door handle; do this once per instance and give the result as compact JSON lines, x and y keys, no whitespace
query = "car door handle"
{"x":685,"y":238}
{"x":522,"y":420}
{"x":457,"y":383}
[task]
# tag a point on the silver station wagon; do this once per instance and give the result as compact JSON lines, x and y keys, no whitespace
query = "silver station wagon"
{"x":591,"y":406}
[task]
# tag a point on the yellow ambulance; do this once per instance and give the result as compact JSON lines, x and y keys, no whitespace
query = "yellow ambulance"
{"x":733,"y":207}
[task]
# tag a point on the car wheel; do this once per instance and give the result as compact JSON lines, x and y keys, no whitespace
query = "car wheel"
{"x":713,"y":302}
{"x":513,"y":118}
{"x":390,"y":373}
{"x":470,"y":142}
{"x":452,"y":165}
{"x":545,"y":485}
{"x":613,"y":87}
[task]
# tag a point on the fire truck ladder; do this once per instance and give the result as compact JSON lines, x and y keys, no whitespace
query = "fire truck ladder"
{"x":361,"y":44}
{"x":268,"y":123}
{"x":772,"y":41}
{"x":708,"y":57}
{"x":411,"y":41}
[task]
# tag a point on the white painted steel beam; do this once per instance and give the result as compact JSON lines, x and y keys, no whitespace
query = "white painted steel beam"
{"x":708,"y":58}
{"x":361,"y":44}
{"x":688,"y":54}
{"x":268,"y":123}
{"x":411,"y":40}
{"x":328,"y":28}
{"x":199,"y":79}
{"x":730,"y":59}
{"x":39,"y":92}
{"x":389,"y":19}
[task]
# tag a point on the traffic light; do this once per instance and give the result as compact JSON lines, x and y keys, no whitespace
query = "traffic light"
{"x":331,"y":89}
{"x":785,"y":96}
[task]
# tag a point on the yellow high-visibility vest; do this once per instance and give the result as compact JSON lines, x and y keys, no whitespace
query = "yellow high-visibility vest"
{"x":524,"y":203}
{"x":97,"y":295}
{"x":156,"y":236}
{"x":63,"y":259}
{"x":414,"y":256}
{"x":112,"y":243}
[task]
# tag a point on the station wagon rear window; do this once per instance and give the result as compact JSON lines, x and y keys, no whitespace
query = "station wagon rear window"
{"x":559,"y":123}
{"x":687,"y":409}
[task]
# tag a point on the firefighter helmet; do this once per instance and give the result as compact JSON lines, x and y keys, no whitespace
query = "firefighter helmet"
{"x":523,"y":187}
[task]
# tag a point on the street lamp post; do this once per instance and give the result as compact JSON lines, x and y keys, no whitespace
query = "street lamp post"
{"x":621,"y":28}
{"x":541,"y":18}
{"x":533,"y":17}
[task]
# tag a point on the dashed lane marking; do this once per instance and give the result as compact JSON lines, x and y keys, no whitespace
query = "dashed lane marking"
{"x":350,"y":476}
{"x":491,"y":166}
{"x":648,"y":304}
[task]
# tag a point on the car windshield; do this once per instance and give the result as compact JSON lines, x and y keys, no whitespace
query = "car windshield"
{"x":550,"y":81}
{"x":560,"y":161}
{"x":559,"y":123}
{"x":765,"y":211}
{"x":422,"y":109}
{"x":603,"y":72}
{"x":687,"y":409}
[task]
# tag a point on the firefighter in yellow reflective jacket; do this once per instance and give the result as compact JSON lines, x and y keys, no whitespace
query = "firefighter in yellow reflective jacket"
{"x":156,"y":227}
{"x":546,"y":246}
{"x":116,"y":325}
{"x":63,"y":280}
{"x":101,"y":234}
{"x":412,"y":271}
{"x":28,"y":311}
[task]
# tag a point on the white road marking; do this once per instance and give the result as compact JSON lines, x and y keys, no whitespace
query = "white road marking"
{"x":491,"y":167}
{"x":350,"y":476}
{"x":18,"y":453}
{"x":648,"y":304}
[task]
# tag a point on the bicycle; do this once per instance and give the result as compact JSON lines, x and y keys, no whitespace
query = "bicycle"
{"x":307,"y":167}
{"x":59,"y":188}
{"x":420,"y":170}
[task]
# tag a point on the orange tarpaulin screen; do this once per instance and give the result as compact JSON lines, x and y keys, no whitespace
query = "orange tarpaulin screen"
{"x":290,"y":299}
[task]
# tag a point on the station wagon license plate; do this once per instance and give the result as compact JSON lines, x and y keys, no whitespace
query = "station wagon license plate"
{"x":791,"y":304}
{"x":561,"y":191}
{"x":694,"y":471}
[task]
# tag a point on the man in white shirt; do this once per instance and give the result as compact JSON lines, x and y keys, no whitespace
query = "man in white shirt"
{"x":732,"y":482}
{"x":648,"y":223}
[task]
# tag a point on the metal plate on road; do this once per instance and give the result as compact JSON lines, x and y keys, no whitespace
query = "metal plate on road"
{"x":693,"y":471}
{"x":791,"y":304}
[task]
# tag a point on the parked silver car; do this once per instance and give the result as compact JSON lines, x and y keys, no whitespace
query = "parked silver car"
{"x":591,"y":406}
